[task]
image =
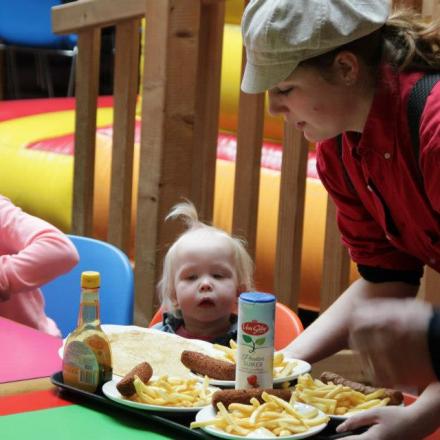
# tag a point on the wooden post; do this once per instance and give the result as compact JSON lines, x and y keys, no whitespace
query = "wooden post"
{"x":87,"y":78}
{"x":207,"y":107}
{"x":125,"y":93}
{"x":291,"y":217}
{"x":336,"y":263}
{"x":167,"y":136}
{"x":430,"y":286}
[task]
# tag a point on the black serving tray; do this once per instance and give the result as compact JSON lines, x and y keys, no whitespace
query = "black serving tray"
{"x":177,"y":422}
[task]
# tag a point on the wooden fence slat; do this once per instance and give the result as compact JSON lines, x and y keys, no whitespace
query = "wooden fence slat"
{"x":85,"y":14}
{"x":125,"y":94}
{"x":430,"y":286}
{"x":207,"y":108}
{"x":291,"y":217}
{"x":336,"y":262}
{"x":247,"y":168}
{"x":167,"y":137}
{"x":87,"y":77}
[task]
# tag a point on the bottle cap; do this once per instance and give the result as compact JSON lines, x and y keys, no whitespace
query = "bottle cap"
{"x":90,"y":280}
{"x":257,"y":297}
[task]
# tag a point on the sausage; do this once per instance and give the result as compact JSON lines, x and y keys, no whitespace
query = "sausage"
{"x":206,"y":365}
{"x":396,"y":397}
{"x":244,"y":396}
{"x":125,"y":385}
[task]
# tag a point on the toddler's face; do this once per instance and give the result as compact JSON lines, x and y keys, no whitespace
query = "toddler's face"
{"x":205,"y":280}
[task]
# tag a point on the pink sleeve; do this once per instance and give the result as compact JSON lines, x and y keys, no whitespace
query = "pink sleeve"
{"x":32,"y":252}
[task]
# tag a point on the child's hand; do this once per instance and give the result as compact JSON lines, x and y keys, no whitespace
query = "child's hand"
{"x":388,"y":423}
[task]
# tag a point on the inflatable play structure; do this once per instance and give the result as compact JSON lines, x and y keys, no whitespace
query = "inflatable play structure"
{"x":36,"y":169}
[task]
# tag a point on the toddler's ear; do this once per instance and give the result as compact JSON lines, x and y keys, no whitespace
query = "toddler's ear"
{"x":173,"y":300}
{"x":240,"y":289}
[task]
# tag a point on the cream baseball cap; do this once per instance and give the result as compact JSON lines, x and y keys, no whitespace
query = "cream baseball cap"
{"x":280,"y":34}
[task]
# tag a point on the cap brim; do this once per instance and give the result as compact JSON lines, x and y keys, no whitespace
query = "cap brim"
{"x":258,"y":79}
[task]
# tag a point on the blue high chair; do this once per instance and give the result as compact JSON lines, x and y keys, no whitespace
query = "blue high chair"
{"x":62,"y":295}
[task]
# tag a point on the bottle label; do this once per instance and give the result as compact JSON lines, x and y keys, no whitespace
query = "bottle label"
{"x":80,"y":366}
{"x":89,"y":305}
{"x":101,"y":347}
{"x":255,"y":341}
{"x":89,"y":312}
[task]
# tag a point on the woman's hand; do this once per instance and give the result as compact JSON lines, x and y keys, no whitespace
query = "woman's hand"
{"x":388,"y":423}
{"x":391,"y":336}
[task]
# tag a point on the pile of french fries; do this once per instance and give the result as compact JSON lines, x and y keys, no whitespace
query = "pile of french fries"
{"x":281,"y":366}
{"x":335,"y":399}
{"x":173,"y":392}
{"x":275,"y":415}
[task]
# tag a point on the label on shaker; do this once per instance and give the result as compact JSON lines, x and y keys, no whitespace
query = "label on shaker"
{"x":255,"y":337}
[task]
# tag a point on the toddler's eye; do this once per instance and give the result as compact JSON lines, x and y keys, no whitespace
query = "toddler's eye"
{"x":218,"y":276}
{"x":191,"y":277}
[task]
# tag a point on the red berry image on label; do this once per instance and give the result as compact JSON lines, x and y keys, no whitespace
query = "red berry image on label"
{"x":252,"y":380}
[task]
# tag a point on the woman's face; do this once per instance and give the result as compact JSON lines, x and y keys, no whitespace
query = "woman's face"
{"x":321,"y":109}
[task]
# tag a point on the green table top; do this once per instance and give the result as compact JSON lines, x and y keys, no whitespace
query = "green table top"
{"x":76,"y":422}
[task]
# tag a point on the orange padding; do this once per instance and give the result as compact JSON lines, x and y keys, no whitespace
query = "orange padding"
{"x":287,"y":325}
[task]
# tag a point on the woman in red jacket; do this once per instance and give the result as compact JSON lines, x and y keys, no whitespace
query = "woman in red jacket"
{"x":342,"y":72}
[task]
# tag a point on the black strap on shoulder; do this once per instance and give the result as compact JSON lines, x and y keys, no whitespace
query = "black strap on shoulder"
{"x":416,"y":104}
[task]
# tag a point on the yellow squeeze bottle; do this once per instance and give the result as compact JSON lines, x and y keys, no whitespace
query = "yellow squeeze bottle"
{"x":87,"y":360}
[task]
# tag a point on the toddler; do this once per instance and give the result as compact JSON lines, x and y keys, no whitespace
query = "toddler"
{"x":204,"y":271}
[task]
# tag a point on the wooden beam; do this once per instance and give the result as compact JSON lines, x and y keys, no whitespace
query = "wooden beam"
{"x":247,"y":167}
{"x":84,"y":14}
{"x":336,"y":263}
{"x":125,"y":94}
{"x":430,"y":286}
{"x":87,"y":78}
{"x":291,"y":217}
{"x":207,"y":107}
{"x":167,"y":137}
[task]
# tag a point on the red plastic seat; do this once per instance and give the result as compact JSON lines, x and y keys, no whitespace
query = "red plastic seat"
{"x":287,"y":325}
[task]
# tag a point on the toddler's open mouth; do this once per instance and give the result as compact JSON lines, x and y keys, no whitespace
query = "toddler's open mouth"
{"x":206,"y":302}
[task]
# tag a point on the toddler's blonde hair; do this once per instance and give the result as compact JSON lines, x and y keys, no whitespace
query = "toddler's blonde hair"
{"x":243,"y":263}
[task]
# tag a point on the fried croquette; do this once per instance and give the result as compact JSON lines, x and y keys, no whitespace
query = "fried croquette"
{"x":207,"y":366}
{"x":125,"y":385}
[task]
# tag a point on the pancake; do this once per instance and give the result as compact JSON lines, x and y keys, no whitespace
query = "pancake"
{"x":161,"y":350}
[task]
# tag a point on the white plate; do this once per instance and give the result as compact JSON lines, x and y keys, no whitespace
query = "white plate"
{"x":349,"y":414}
{"x":302,"y":367}
{"x":208,"y":413}
{"x":113,"y":328}
{"x":109,"y":389}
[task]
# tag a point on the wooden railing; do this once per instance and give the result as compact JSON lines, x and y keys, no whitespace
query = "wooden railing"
{"x":180,"y":108}
{"x":180,"y":102}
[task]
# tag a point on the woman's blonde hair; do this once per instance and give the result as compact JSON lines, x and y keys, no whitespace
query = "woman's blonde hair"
{"x":406,"y":41}
{"x":243,"y":263}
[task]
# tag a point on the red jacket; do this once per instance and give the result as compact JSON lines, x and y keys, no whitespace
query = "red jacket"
{"x":389,"y":215}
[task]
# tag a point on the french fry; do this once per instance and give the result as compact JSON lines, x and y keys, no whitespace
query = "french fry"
{"x":173,"y":392}
{"x":335,"y":399}
{"x":275,"y":416}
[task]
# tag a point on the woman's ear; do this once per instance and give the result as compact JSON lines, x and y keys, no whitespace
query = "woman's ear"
{"x":346,"y":65}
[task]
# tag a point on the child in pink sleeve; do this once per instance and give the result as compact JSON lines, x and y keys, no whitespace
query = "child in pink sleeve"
{"x":32,"y":253}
